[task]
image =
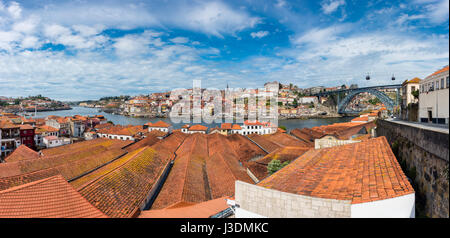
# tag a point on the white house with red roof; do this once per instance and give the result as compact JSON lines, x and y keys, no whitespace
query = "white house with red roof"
{"x":160,"y":126}
{"x":188,"y":129}
{"x":256,"y":127}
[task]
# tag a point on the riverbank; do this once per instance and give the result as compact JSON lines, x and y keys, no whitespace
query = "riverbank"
{"x":124,"y":120}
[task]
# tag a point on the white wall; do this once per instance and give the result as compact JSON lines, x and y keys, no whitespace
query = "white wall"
{"x":399,"y":207}
{"x":242,"y":213}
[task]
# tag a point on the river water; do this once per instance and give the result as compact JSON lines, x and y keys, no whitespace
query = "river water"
{"x":123,"y":120}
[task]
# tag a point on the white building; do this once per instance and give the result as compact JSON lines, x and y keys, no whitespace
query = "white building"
{"x":54,"y":141}
{"x":257,"y":127}
{"x":433,"y":97}
{"x":187,"y":129}
{"x":42,"y":132}
{"x":331,"y":184}
{"x":308,"y":100}
{"x":119,"y":132}
{"x":160,"y":126}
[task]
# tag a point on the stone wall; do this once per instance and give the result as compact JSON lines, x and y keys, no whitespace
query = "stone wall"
{"x":275,"y":204}
{"x":424,"y":157}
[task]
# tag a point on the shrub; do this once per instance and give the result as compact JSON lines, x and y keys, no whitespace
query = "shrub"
{"x":275,"y":165}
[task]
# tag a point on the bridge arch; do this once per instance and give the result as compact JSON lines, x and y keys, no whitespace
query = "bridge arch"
{"x":387,"y":101}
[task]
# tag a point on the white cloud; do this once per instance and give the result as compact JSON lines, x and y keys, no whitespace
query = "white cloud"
{"x":30,"y":42}
{"x":54,"y":31}
{"x":27,"y":26}
{"x":214,"y":18}
{"x":404,"y":18}
{"x":329,"y":6}
{"x":209,"y":17}
{"x":439,"y":12}
{"x":259,"y":34}
{"x":14,"y":10}
{"x":82,"y":38}
{"x":180,"y":40}
{"x":7,"y":39}
{"x":317,"y":35}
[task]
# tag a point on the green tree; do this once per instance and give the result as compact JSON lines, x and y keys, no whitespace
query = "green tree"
{"x":415,"y":94}
{"x":282,"y":127}
{"x":295,"y":103}
{"x":275,"y":165}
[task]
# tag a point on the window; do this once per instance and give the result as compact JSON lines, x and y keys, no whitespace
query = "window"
{"x":442,"y":83}
{"x":447,"y":82}
{"x":437,"y":85}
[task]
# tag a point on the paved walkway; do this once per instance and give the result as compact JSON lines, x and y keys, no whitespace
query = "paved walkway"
{"x":427,"y":126}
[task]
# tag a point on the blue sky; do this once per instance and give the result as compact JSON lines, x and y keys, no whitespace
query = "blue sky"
{"x":76,"y":50}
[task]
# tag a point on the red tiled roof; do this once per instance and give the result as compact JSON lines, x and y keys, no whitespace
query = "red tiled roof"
{"x":198,"y":128}
{"x":46,"y":128}
{"x":181,"y":210}
{"x":103,"y":126}
{"x":122,"y":130}
{"x":70,"y":160}
{"x":439,"y":71}
{"x":120,"y":191}
{"x":236,"y":127}
{"x":22,"y":153}
{"x":6,"y":124}
{"x":158,"y":124}
{"x":226,"y":126}
{"x":26,"y":127}
{"x":288,"y":153}
{"x":361,"y":172}
{"x":255,"y":123}
{"x":47,"y":198}
{"x":361,"y":119}
{"x":205,"y":168}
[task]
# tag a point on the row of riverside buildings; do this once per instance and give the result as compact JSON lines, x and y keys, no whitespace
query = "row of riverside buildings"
{"x":433,"y":99}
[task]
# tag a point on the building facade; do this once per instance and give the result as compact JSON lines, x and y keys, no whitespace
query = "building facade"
{"x":433,"y":98}
{"x":9,"y":138}
{"x":408,"y":99}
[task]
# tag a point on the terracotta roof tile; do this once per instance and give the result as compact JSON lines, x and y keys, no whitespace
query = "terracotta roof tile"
{"x":120,"y":191}
{"x":198,"y":128}
{"x":70,"y":160}
{"x":205,"y":168}
{"x":22,"y":153}
{"x":360,"y":172}
{"x":259,"y":167}
{"x":158,"y":124}
{"x":226,"y":126}
{"x":439,"y":71}
{"x":47,"y":198}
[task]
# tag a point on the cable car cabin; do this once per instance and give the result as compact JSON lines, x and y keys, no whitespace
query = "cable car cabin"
{"x":393,"y":78}
{"x":367,"y":77}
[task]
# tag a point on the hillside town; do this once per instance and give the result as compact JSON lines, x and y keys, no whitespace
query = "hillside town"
{"x":250,"y":169}
{"x":30,"y":104}
{"x":293,"y":102}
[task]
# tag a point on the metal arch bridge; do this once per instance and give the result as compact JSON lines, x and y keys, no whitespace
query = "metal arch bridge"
{"x":351,"y":93}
